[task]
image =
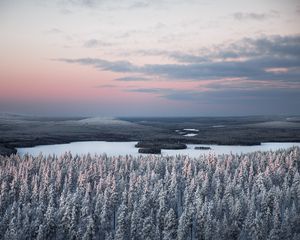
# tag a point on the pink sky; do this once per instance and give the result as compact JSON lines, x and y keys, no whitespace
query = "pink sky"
{"x":189,"y":58}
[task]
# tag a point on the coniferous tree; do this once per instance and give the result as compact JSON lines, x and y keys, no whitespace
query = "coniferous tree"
{"x":90,"y":230}
{"x":243,"y":196}
{"x":170,"y":226}
{"x":148,"y":229}
{"x":122,"y":233}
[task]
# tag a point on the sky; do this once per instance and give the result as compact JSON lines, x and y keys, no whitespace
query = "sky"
{"x":150,"y":57}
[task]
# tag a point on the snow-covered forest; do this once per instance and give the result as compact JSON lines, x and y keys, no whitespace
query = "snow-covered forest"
{"x":248,"y":196}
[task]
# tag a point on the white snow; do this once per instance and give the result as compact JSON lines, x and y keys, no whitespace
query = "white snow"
{"x":190,"y":135}
{"x":92,"y":147}
{"x":179,"y":132}
{"x":123,"y":148}
{"x":101,"y":120}
{"x":191,"y":129}
{"x":227,"y":149}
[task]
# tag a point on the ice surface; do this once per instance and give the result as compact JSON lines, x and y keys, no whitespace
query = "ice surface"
{"x":226,"y":149}
{"x":123,"y":148}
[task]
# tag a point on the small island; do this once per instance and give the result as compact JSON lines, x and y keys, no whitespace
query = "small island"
{"x":161,"y":145}
{"x":150,"y":150}
{"x":202,"y":148}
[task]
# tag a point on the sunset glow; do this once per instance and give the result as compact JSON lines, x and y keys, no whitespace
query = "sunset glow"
{"x":152,"y":58}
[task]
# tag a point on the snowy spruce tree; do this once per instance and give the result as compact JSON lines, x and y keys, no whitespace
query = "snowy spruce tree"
{"x":242,"y":196}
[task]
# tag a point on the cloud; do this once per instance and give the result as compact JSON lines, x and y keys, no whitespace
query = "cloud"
{"x":139,"y":5}
{"x":132,"y":78}
{"x":243,"y":16}
{"x":259,"y":101}
{"x":244,"y":84}
{"x":86,"y":3}
{"x":272,"y":46}
{"x":94,"y":43}
{"x":125,"y":4}
{"x":249,"y":59}
{"x":128,"y":4}
{"x":54,"y":31}
{"x":65,"y":11}
{"x":147,"y":90}
{"x":266,"y":100}
{"x":105,"y":86}
{"x":113,"y":66}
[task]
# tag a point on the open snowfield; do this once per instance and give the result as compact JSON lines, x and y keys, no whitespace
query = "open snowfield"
{"x":123,"y":148}
{"x":190,"y":135}
{"x":191,"y":129}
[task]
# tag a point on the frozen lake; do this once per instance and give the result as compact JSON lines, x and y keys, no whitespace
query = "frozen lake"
{"x":123,"y":148}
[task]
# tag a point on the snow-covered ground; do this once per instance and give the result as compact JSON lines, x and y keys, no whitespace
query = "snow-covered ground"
{"x":184,"y":132}
{"x":123,"y":148}
{"x":191,"y":129}
{"x":190,"y":135}
{"x":179,"y":132}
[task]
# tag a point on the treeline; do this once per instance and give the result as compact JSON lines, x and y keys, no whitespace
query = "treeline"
{"x":248,"y":196}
